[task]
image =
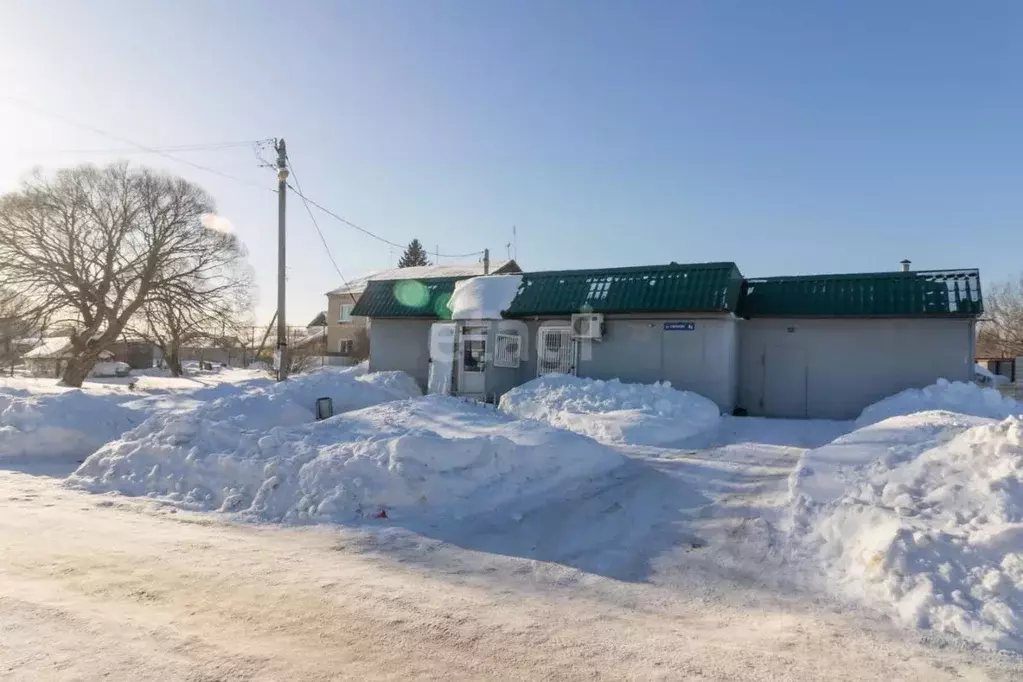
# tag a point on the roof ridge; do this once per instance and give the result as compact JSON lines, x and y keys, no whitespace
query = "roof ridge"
{"x":853,"y":275}
{"x":637,"y":268}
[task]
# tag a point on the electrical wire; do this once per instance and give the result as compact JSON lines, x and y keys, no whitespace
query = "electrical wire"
{"x":369,"y":233}
{"x":214,"y":146}
{"x":125,"y":140}
{"x":305,"y":202}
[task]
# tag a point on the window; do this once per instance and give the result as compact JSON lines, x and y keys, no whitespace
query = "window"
{"x":345,"y":347}
{"x":507,"y":353}
{"x":474,"y":351}
{"x":345,"y":314}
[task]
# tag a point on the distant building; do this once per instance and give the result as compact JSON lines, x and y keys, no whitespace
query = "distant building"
{"x":50,"y":357}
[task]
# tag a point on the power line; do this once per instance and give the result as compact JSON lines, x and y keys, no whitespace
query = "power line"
{"x":125,"y":140}
{"x":214,"y":146}
{"x":369,"y":233}
{"x":305,"y":202}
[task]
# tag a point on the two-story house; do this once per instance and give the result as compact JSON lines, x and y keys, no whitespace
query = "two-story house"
{"x":348,"y":335}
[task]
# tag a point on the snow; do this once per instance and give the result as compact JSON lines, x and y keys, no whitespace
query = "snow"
{"x":595,"y":587}
{"x":509,"y":532}
{"x":432,"y":457}
{"x":921,"y":516}
{"x":40,"y":418}
{"x":954,"y":396}
{"x":56,"y":347}
{"x":483,"y":298}
{"x":918,"y":515}
{"x":987,"y":377}
{"x":420,"y":272}
{"x":309,"y":335}
{"x":69,"y":424}
{"x":612,"y":411}
{"x":51,"y":347}
{"x":109,"y":368}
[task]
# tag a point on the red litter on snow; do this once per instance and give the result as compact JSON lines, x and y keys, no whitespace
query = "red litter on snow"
{"x":381,"y":515}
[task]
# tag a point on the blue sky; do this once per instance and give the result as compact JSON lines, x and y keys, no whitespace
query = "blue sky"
{"x":790,"y":137}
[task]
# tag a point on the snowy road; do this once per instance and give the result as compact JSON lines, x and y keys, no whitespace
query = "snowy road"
{"x":114,"y":588}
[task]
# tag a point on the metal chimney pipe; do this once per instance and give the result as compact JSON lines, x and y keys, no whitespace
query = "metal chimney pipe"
{"x":905,"y":264}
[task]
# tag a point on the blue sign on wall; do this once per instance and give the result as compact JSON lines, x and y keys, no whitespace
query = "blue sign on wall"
{"x":679,"y":326}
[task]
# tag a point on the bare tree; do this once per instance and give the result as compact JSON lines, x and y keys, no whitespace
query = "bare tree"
{"x":173,"y":320}
{"x":95,"y":246}
{"x":170,"y":328}
{"x":15,"y":325}
{"x":360,"y":349}
{"x":241,"y":328}
{"x":1001,"y":331}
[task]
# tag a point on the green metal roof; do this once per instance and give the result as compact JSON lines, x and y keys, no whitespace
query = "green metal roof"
{"x":407,"y":298}
{"x":944,"y":293}
{"x":702,"y":287}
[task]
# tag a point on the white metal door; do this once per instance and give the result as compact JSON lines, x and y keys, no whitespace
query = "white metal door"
{"x":442,"y":357}
{"x":472,"y":363}
{"x":555,"y":351}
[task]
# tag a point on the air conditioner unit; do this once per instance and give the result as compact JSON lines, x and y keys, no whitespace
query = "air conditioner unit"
{"x":587,"y":326}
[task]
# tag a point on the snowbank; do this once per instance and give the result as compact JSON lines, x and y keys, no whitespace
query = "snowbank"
{"x":293,"y":402}
{"x":483,"y":298}
{"x":110,"y":368}
{"x":922,"y":516}
{"x":953,"y":396}
{"x":70,"y":424}
{"x":824,"y":474}
{"x":986,"y":377}
{"x":613,"y":412}
{"x":430,"y":457}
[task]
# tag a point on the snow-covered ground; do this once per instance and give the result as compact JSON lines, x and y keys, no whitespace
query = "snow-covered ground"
{"x":39,"y":418}
{"x":748,"y":549}
{"x":611,"y":411}
{"x":952,"y":396}
{"x":920,"y":514}
{"x":662,"y":571}
{"x":433,"y":457}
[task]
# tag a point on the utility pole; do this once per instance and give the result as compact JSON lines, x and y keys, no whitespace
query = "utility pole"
{"x":281,"y":356}
{"x":486,"y":261}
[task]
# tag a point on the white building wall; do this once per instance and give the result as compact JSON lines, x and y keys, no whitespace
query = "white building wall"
{"x":641,"y":350}
{"x":832,"y":368}
{"x":401,"y":345}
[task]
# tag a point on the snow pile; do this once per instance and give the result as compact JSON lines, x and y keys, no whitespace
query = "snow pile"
{"x":70,"y":424}
{"x":613,"y":412}
{"x":293,"y":402}
{"x":824,"y":474}
{"x":483,"y":298}
{"x":953,"y":396}
{"x":922,"y":516}
{"x":109,"y":368}
{"x":986,"y":377}
{"x":430,"y":457}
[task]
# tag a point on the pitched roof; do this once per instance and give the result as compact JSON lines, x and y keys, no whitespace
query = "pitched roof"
{"x":53,"y":347}
{"x":308,"y":335}
{"x":457,"y":270}
{"x":701,"y":287}
{"x":407,"y":298}
{"x":939,"y":293}
{"x":57,"y":348}
{"x":695,"y":287}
